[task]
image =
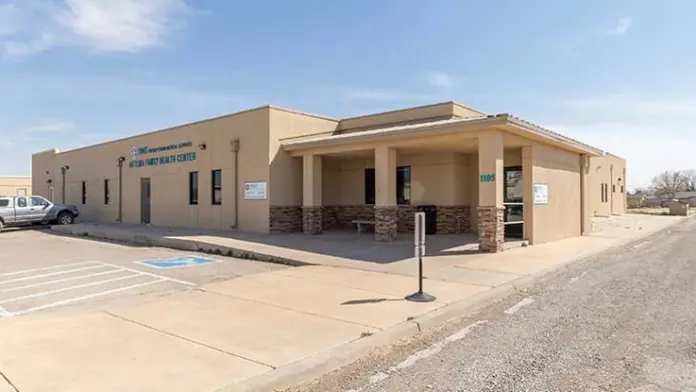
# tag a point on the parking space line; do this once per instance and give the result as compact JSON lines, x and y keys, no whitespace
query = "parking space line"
{"x":45,"y":268}
{"x":60,"y":280}
{"x":51,"y":274}
{"x":148,"y":274}
{"x":67,"y":289}
{"x":84,"y":297}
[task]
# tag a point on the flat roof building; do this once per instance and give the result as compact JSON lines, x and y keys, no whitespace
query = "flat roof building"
{"x":275,"y":170}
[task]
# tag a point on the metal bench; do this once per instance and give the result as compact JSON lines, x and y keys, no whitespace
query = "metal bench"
{"x":361,"y":223}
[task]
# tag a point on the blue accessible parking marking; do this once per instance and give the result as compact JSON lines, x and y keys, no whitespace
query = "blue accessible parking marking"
{"x":176,"y":262}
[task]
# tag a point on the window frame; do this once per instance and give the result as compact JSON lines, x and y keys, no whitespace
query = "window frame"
{"x":107,"y":191}
{"x":214,"y":187}
{"x":402,"y":192}
{"x":193,"y":201}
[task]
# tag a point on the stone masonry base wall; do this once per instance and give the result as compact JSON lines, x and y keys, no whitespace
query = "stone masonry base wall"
{"x":386,"y":222}
{"x":290,"y":219}
{"x":491,"y":229}
{"x":285,"y":219}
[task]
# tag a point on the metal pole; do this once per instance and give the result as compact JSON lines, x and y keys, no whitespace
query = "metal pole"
{"x":419,"y":242}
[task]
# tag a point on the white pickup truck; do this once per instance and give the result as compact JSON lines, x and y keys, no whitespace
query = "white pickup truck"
{"x":28,"y":210}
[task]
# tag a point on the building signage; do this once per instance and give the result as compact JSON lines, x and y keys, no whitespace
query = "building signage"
{"x":541,"y":193}
{"x":255,"y":190}
{"x":136,"y":152}
{"x":490,"y":177}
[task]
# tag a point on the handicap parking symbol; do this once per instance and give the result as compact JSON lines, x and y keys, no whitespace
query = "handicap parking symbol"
{"x":176,"y":262}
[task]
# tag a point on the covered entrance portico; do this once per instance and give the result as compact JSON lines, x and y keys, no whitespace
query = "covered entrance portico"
{"x":478,"y":176}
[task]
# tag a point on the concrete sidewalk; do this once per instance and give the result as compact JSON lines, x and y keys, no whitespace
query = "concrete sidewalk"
{"x":275,"y":328}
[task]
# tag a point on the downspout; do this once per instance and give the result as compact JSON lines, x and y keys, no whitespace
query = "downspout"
{"x":584,"y":168}
{"x":235,"y":150}
{"x":63,"y":170}
{"x":120,"y":189}
{"x":611,"y":190}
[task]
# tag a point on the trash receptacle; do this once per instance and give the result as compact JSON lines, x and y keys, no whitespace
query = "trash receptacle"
{"x":430,"y":218}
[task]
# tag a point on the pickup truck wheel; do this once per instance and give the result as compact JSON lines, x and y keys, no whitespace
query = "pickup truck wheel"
{"x":65,"y":218}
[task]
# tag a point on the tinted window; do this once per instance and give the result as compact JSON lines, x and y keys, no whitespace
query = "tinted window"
{"x":370,"y":186}
{"x":403,"y":185}
{"x":84,"y":192}
{"x":38,"y":201}
{"x":4,"y":202}
{"x":193,"y":188}
{"x":217,"y":187}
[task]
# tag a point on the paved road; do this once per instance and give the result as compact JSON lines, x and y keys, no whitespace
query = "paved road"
{"x":624,"y":321}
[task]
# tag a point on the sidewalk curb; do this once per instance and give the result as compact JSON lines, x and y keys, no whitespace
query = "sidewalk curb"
{"x":174,"y":243}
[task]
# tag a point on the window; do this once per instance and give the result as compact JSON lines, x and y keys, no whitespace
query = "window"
{"x":37,"y":201}
{"x":21,"y":202}
{"x":370,"y":186}
{"x":604,"y":193}
{"x":84,"y":192}
{"x":107,"y":192}
{"x":4,"y":202}
{"x":613,"y":188}
{"x":217,"y":187}
{"x":622,"y":189}
{"x":193,"y":188}
{"x":403,"y":185}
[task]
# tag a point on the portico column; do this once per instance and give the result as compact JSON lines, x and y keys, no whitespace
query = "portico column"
{"x":385,"y":194}
{"x":311,"y":194}
{"x":491,"y":228}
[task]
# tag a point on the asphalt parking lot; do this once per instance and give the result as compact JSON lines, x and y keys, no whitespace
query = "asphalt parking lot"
{"x":44,"y":272}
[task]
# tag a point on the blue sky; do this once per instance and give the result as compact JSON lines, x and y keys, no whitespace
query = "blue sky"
{"x":616,"y":74}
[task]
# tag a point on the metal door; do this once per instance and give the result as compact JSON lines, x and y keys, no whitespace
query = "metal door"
{"x":145,"y":201}
{"x":23,"y":209}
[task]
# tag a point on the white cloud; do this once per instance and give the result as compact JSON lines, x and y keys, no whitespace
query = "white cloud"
{"x":58,"y":126}
{"x":28,"y":26}
{"x":123,"y":25}
{"x":439,"y":79}
{"x":622,"y":26}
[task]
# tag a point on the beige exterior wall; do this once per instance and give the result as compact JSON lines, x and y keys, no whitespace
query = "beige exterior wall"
{"x":285,"y":170}
{"x":561,"y":217}
{"x":15,"y":186}
{"x":439,"y":179}
{"x":610,"y":171}
{"x":169,"y":182}
{"x":406,"y":116}
{"x":445,"y":171}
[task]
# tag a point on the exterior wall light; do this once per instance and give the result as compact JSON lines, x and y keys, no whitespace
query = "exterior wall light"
{"x":202,"y":146}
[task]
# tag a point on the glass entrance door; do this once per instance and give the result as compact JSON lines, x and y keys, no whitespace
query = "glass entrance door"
{"x":513,"y":194}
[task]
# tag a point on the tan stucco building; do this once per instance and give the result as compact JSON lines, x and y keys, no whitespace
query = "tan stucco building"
{"x":15,"y":186}
{"x":276,"y":170}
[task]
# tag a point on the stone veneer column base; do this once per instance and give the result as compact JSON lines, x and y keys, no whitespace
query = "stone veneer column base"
{"x":312,"y":219}
{"x":386,"y":223}
{"x":491,"y":229}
